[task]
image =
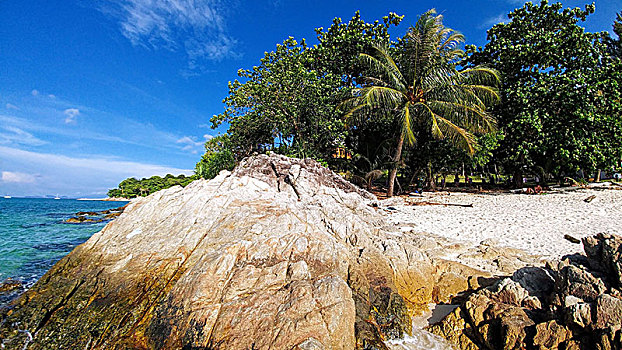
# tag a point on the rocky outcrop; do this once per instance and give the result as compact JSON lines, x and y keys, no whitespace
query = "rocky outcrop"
{"x":576,"y":304}
{"x":91,"y":217}
{"x":9,"y":289}
{"x":280,"y":254}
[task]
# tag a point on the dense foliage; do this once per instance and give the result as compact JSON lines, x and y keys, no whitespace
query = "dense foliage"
{"x":560,"y":110}
{"x":289,"y":102}
{"x":421,"y":89}
{"x":132,"y":188}
{"x":357,"y":97}
{"x":218,"y":156}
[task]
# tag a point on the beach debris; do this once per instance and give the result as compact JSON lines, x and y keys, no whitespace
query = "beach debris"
{"x":589,"y":199}
{"x":443,"y":204}
{"x":572,"y":239}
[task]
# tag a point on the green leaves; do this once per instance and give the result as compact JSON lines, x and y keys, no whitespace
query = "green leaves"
{"x":424,"y":89}
{"x":219,"y":155}
{"x":555,"y":90}
{"x":131,"y":187}
{"x":289,"y":102}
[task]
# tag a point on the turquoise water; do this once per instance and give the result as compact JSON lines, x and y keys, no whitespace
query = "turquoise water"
{"x":33,"y":236}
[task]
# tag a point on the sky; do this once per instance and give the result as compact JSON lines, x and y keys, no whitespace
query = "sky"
{"x":93,"y":92}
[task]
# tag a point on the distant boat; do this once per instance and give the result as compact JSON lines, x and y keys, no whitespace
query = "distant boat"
{"x":7,"y":196}
{"x":57,"y":197}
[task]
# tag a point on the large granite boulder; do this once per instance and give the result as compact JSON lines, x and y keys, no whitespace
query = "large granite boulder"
{"x":280,"y":254}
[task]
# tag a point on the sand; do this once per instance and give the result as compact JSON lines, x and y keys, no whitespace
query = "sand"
{"x":535,"y":224}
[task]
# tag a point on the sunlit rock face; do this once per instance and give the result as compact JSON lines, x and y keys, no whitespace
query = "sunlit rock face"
{"x":282,"y":253}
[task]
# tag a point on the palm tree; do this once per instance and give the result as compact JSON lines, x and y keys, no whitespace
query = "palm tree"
{"x":419,"y":83}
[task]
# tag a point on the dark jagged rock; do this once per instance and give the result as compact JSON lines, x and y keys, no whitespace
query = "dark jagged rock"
{"x":604,"y":254}
{"x":575,"y":306}
{"x":92,"y":217}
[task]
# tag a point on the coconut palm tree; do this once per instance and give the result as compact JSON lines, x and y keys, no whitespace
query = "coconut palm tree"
{"x":418,"y":82}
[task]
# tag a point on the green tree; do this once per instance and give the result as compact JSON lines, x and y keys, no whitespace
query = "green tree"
{"x":288,"y":103}
{"x":340,"y":45}
{"x":419,"y":85}
{"x":616,"y":44}
{"x":558,"y":110}
{"x":131,"y":187}
{"x":218,"y":156}
{"x":283,"y":106}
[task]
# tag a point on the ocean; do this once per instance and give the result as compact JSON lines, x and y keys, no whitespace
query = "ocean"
{"x":33,"y":236}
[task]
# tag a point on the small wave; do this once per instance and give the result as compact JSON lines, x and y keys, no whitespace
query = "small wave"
{"x":58,"y":215}
{"x":35,"y":225}
{"x":420,"y":340}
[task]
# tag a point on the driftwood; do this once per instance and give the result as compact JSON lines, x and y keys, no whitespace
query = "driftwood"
{"x":444,"y":204}
{"x":572,"y":239}
{"x":589,"y":199}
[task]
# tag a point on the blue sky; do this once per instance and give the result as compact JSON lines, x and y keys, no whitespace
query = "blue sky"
{"x":92,"y":92}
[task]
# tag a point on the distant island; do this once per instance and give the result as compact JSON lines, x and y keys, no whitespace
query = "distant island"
{"x":132,"y":188}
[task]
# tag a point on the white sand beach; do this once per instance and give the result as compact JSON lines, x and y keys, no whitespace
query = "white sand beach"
{"x":535,"y":224}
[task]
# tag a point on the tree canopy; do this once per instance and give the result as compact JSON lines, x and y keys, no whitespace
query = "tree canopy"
{"x":132,"y":188}
{"x":420,"y":86}
{"x":557,"y":90}
{"x":288,"y":103}
{"x":559,"y":112}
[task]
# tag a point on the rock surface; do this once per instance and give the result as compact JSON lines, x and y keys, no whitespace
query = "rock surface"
{"x":574,"y":305}
{"x":280,"y":254}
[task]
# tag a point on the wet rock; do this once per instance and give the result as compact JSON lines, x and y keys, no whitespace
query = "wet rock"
{"x":579,"y":315}
{"x":9,"y":289}
{"x":568,"y":305}
{"x":537,"y":281}
{"x":82,"y":220}
{"x":9,"y":285}
{"x":455,"y":329}
{"x":509,"y":292}
{"x":91,"y":217}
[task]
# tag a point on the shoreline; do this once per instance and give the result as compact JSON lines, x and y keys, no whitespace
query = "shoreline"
{"x":107,"y":199}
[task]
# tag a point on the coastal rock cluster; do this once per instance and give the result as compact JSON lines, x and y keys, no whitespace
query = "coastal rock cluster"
{"x":575,"y":304}
{"x":281,"y":253}
{"x":91,"y":217}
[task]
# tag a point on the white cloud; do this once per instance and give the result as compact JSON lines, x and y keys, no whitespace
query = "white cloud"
{"x":501,"y":18}
{"x":72,"y":114}
{"x":72,"y":175}
{"x":12,"y":135}
{"x":14,"y":177}
{"x":208,"y":137}
{"x":12,"y":106}
{"x":190,"y":143}
{"x":52,"y":96}
{"x":34,"y":92}
{"x":194,"y":26}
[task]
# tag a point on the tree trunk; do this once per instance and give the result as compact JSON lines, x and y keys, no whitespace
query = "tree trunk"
{"x":396,"y":161}
{"x":430,"y":176}
{"x":597,"y":177}
{"x":518,"y":178}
